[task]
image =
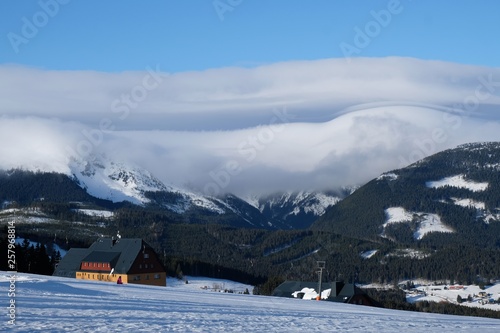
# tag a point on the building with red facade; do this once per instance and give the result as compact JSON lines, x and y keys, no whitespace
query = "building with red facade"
{"x":129,"y":259}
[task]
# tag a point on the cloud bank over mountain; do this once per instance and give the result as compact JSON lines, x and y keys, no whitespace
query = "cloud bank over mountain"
{"x":294,"y":125}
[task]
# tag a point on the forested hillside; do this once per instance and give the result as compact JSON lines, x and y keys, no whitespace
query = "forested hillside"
{"x":460,"y":188}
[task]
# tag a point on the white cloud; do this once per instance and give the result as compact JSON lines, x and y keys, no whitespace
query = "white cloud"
{"x":226,"y":129}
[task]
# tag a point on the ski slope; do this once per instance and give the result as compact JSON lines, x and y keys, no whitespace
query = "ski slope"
{"x":52,"y":304}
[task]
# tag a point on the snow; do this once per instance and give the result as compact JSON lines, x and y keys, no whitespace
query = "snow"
{"x":469,"y":203}
{"x":311,"y":202}
{"x":323,"y":202}
{"x":388,"y":176}
{"x":23,"y":211}
{"x":96,"y":213}
{"x":295,"y":211}
{"x":207,"y":284}
{"x":252,"y":200}
{"x":117,"y":182}
{"x":458,"y":181}
{"x":53,"y":304}
{"x":440,"y":293}
{"x":397,"y":215}
{"x":10,"y":211}
{"x":27,"y":219}
{"x":430,"y":223}
{"x":426,"y":222}
{"x":408,"y":253}
{"x":368,"y":254}
{"x":203,"y":202}
{"x":311,"y":294}
{"x":489,"y":217}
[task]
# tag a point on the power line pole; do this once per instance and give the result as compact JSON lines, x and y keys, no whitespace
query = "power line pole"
{"x":321,"y":266}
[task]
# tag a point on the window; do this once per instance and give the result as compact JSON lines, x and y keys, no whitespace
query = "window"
{"x":140,"y":266}
{"x":137,"y":278}
{"x":145,"y":265}
{"x":157,"y":276}
{"x":146,"y":255}
{"x":152,"y":266}
{"x":147,"y":277}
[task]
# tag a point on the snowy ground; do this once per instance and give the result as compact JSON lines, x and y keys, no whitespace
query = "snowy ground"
{"x":427,"y":222}
{"x":50,"y":304}
{"x":96,"y":213}
{"x":438,"y":293}
{"x":202,"y":283}
{"x":458,"y":181}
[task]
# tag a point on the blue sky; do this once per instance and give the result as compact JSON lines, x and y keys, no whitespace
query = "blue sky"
{"x":185,"y":35}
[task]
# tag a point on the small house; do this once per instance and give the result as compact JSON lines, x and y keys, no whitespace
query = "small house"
{"x":130,"y":260}
{"x":339,"y":292}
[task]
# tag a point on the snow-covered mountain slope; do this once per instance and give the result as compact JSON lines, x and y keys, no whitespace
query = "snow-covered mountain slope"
{"x":451,"y":196}
{"x":425,"y":222}
{"x":297,"y":208}
{"x":102,"y":178}
{"x":44,"y":303}
{"x":119,"y":182}
{"x":114,"y":181}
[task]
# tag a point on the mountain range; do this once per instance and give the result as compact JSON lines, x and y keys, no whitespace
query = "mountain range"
{"x":108,"y":185}
{"x":438,"y":218}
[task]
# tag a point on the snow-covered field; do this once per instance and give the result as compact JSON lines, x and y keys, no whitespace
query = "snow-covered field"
{"x":439,"y":293}
{"x":469,"y":203}
{"x":458,"y":181}
{"x":368,"y":254}
{"x":51,"y":304}
{"x":208,"y":284}
{"x":96,"y":213}
{"x":427,"y":222}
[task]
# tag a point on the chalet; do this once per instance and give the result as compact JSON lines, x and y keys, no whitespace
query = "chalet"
{"x":129,"y":259}
{"x":339,"y":292}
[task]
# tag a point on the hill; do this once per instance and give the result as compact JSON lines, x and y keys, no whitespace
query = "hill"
{"x":450,"y":197}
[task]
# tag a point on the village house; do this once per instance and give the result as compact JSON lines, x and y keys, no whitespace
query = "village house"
{"x":128,"y":260}
{"x":339,"y":292}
